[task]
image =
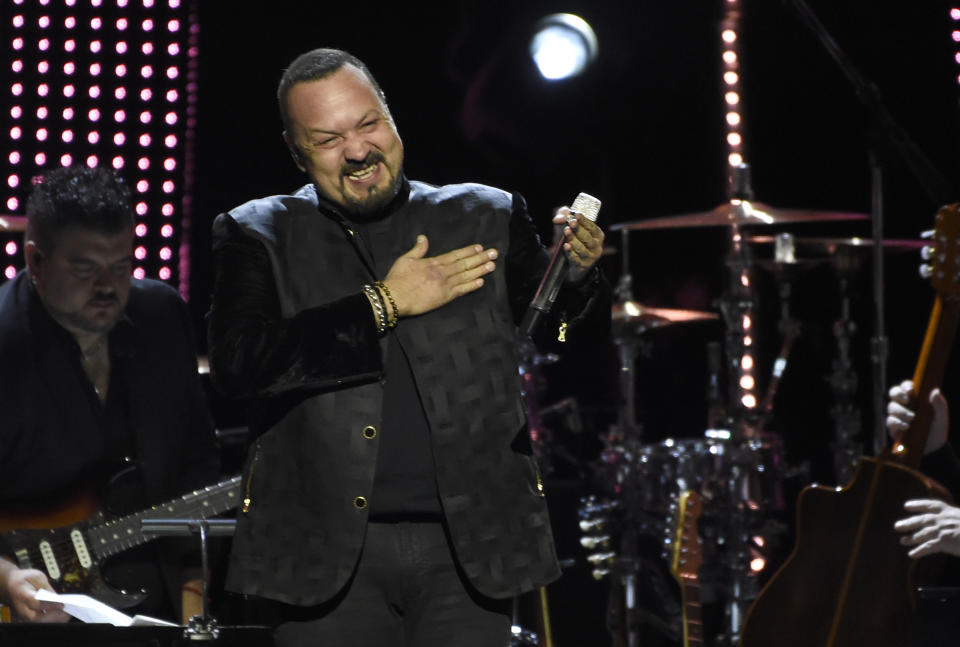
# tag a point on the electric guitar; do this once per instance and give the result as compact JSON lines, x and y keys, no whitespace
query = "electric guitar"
{"x":71,"y":555}
{"x":685,"y":565}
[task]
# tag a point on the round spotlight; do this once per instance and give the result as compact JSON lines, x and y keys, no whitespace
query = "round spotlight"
{"x":563,"y":45}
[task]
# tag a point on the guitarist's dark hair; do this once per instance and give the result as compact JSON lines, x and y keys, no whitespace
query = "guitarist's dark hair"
{"x":77,"y":196}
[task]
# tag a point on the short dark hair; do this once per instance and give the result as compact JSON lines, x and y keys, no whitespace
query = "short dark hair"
{"x":77,"y":196}
{"x":315,"y":65}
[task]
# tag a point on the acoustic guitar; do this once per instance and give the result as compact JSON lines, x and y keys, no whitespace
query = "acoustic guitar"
{"x":71,"y":554}
{"x":685,"y":565}
{"x":848,"y":581}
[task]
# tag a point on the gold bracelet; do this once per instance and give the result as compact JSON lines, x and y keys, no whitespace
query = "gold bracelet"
{"x":374,"y":296}
{"x":393,"y":304}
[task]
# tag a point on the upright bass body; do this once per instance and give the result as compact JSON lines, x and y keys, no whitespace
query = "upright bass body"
{"x":848,"y":581}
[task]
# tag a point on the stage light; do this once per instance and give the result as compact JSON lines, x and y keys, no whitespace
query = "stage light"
{"x":563,"y":45}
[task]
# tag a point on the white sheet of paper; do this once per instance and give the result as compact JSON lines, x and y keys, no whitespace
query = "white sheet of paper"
{"x":87,"y":609}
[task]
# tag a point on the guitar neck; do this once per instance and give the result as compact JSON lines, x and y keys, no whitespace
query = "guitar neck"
{"x":928,"y":374}
{"x":692,"y":619}
{"x":124,"y":532}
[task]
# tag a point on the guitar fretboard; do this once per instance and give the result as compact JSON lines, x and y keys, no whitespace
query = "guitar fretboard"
{"x":120,"y":534}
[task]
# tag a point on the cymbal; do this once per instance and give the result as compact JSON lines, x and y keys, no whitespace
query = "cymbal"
{"x":740,"y":213}
{"x":635,"y":315}
{"x":832,"y":245}
{"x":12,"y":223}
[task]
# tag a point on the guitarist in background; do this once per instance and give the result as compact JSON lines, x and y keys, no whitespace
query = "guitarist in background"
{"x":98,"y":374}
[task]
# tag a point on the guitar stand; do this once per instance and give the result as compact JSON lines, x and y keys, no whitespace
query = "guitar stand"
{"x":202,"y":627}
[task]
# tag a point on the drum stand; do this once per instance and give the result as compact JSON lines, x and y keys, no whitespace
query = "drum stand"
{"x":843,"y":380}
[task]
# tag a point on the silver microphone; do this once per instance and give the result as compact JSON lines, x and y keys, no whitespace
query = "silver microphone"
{"x":556,"y":273}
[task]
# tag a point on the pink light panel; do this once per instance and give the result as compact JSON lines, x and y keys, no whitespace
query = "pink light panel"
{"x":104,"y":82}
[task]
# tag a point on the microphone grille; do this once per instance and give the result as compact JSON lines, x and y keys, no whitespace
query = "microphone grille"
{"x":588,"y":205}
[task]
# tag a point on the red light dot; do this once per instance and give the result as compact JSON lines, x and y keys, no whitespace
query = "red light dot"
{"x":11,"y":248}
{"x":68,"y":113}
{"x":17,"y":43}
{"x":120,"y":70}
{"x":121,"y":23}
{"x":43,"y":21}
{"x":169,"y":164}
{"x":17,"y":66}
{"x":16,"y":112}
{"x":172,"y":95}
{"x":166,"y":231}
{"x":43,"y":67}
{"x":165,"y":253}
{"x":147,"y":25}
{"x":141,"y":208}
{"x":120,"y":93}
{"x":170,"y":118}
{"x":16,"y":89}
{"x":167,"y":209}
{"x":138,"y":273}
{"x":95,"y":46}
{"x":170,"y":141}
{"x":18,"y":21}
{"x":118,"y":162}
{"x":95,"y":69}
{"x":66,"y":159}
{"x":145,"y":117}
{"x":147,"y":48}
{"x":143,"y":186}
{"x":141,"y":230}
{"x":43,"y":89}
{"x":119,"y":116}
{"x":10,"y":272}
{"x":42,"y":134}
{"x":16,"y":132}
{"x":93,"y":137}
{"x":12,"y":204}
{"x":94,"y":92}
{"x":44,"y":44}
{"x":143,"y":163}
{"x":92,"y":161}
{"x":121,"y":47}
{"x":146,"y":94}
{"x":69,"y":45}
{"x":13,"y":181}
{"x":96,"y":23}
{"x":168,"y":186}
{"x":173,"y":49}
{"x":119,"y":139}
{"x":14,"y":157}
{"x":93,"y":114}
{"x":40,"y":159}
{"x":164,"y":273}
{"x":42,"y":112}
{"x":140,"y":253}
{"x":144,"y":139}
{"x":69,"y":68}
{"x":70,"y":22}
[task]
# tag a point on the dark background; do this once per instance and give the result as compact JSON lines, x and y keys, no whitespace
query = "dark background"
{"x":643,"y":131}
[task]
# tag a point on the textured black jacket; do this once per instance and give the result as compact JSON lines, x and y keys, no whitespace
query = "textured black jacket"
{"x":290,"y":327}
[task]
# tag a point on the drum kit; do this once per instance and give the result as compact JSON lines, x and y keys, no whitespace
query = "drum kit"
{"x":629,"y":524}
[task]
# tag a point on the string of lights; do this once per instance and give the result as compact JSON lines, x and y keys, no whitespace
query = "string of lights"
{"x":106,"y":82}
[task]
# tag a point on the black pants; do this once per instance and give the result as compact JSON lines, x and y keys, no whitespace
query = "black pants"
{"x":407,"y":592}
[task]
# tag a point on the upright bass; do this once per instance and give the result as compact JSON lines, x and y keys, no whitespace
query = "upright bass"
{"x":848,"y":581}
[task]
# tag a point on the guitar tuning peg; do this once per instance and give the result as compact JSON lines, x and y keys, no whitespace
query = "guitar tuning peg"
{"x":926,"y":252}
{"x":926,"y":271}
{"x":600,"y":573}
{"x":927,"y":235}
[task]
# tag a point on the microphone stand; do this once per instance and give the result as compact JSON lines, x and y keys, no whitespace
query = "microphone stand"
{"x":886,"y":134}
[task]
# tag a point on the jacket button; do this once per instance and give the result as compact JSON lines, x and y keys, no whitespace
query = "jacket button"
{"x":369,"y":432}
{"x":360,"y":503}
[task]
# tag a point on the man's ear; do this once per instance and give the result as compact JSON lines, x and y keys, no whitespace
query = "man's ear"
{"x":33,"y":256}
{"x":294,"y":152}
